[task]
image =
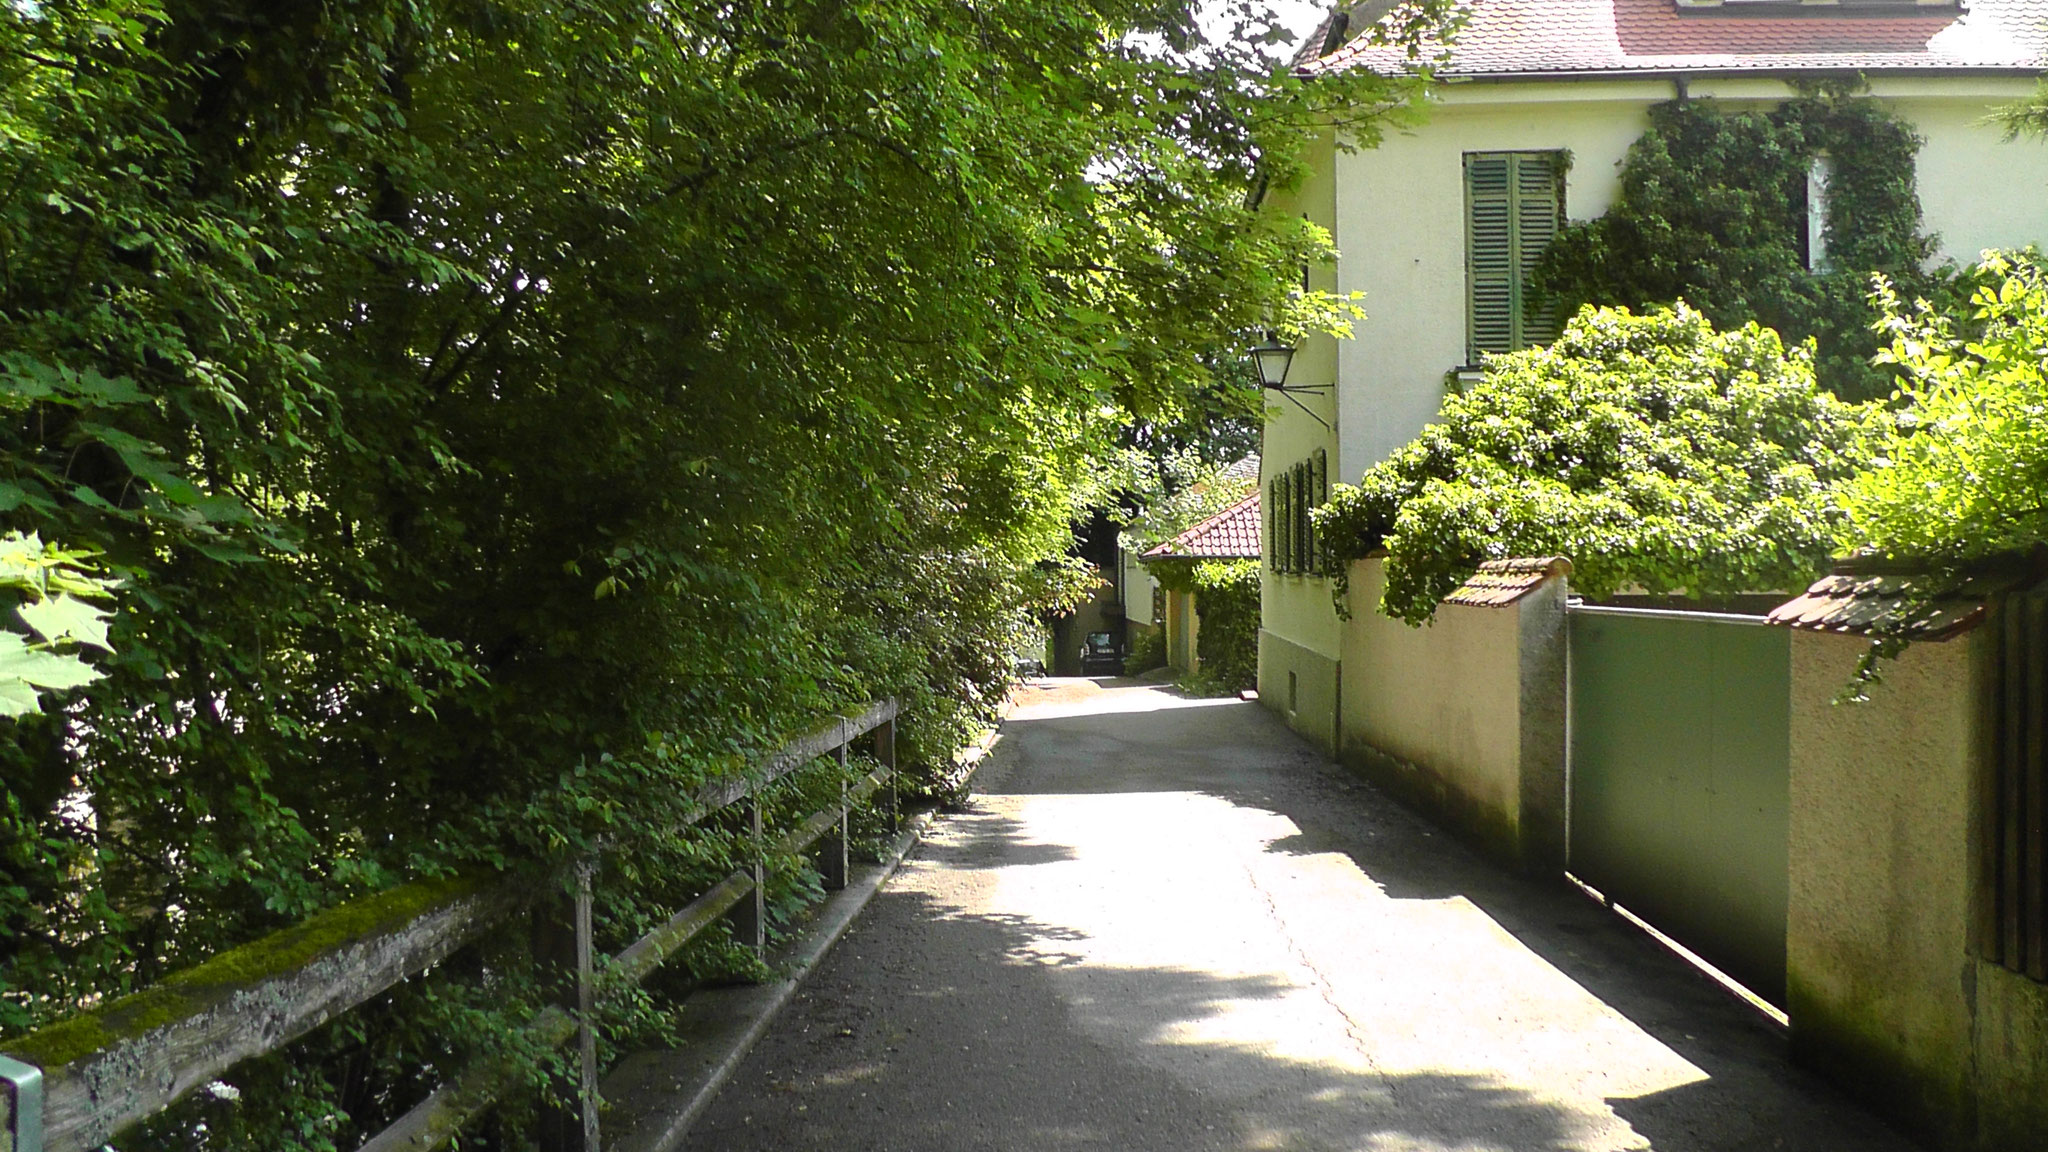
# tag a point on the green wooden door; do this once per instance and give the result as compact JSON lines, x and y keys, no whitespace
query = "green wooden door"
{"x":1679,"y":779}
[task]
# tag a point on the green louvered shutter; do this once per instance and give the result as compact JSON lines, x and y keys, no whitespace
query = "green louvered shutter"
{"x":1513,"y":207}
{"x":1301,"y":544}
{"x":1280,"y":533}
{"x":1539,"y":210}
{"x":1489,"y":256}
{"x":1321,"y":488}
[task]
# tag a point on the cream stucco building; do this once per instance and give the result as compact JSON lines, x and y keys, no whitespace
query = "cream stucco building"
{"x":1564,"y":87}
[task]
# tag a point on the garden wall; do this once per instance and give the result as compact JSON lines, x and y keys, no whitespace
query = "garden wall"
{"x":1886,"y":992}
{"x":1464,"y":718}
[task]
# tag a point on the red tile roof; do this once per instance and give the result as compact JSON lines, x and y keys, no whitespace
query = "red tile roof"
{"x":1232,"y":534}
{"x":1499,"y":583}
{"x":1506,"y":38}
{"x":1859,"y":604}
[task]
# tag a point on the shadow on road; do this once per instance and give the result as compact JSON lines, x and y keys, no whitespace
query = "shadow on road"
{"x":1009,"y":993}
{"x":949,"y":1067}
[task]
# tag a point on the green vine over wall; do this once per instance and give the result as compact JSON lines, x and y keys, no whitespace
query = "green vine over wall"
{"x":1713,"y":210}
{"x":1227,"y":605}
{"x":1651,"y":450}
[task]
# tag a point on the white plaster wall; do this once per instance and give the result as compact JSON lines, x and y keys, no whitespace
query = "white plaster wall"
{"x":1298,"y":608}
{"x":1401,"y":226}
{"x":1137,"y":584}
{"x":1399,"y":214}
{"x":1978,"y":190}
{"x":1446,"y":697}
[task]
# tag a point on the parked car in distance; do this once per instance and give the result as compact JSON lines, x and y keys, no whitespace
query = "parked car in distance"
{"x":1101,"y":655}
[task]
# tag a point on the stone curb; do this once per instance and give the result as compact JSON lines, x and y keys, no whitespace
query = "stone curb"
{"x":655,"y":1096}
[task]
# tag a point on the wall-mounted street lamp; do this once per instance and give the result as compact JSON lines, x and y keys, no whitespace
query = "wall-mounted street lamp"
{"x":1271,"y":359}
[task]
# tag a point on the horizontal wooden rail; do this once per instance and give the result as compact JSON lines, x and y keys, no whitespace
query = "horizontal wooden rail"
{"x":797,"y":753}
{"x":110,"y":1068}
{"x":436,"y":1120}
{"x":121,"y":1063}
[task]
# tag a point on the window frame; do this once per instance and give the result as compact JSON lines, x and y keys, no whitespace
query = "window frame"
{"x":1521,"y":249}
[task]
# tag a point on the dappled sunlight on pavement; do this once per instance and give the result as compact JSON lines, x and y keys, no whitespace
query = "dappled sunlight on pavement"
{"x":1336,"y":974}
{"x":1166,"y":924}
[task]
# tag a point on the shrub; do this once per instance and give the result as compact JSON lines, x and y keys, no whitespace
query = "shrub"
{"x":1227,"y":608}
{"x":1651,"y":450}
{"x":1148,"y":651}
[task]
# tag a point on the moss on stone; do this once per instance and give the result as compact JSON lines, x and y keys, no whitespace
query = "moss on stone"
{"x":1916,"y":1084}
{"x":186,"y":993}
{"x":1481,"y":826}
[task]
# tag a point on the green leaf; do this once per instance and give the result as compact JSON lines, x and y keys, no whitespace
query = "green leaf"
{"x":64,"y":617}
{"x":18,"y":699}
{"x":20,"y":662}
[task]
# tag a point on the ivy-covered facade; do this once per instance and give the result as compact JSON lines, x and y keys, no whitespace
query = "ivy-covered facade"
{"x":1758,"y":161}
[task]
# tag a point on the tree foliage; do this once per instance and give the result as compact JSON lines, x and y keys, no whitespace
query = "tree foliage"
{"x":1652,"y":451}
{"x":505,"y":413}
{"x":1961,"y":477}
{"x":1179,"y":492}
{"x":51,"y":587}
{"x":2029,"y":116}
{"x":1713,"y":209}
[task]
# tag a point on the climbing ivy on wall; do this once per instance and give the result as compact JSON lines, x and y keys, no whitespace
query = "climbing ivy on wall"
{"x":1713,"y":210}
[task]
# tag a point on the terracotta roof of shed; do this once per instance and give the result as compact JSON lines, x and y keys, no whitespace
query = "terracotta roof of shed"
{"x":1857,"y":602}
{"x":1499,"y":583}
{"x":1232,"y":534}
{"x":1508,"y":38}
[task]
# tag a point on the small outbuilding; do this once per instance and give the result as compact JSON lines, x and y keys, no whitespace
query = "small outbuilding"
{"x":1232,"y":534}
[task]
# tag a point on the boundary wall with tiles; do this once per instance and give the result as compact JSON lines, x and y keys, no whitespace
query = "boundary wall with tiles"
{"x":1465,"y":717}
{"x":1888,"y":990}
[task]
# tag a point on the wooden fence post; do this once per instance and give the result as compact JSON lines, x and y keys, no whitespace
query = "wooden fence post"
{"x":832,"y":849}
{"x":750,"y":918}
{"x":885,"y":751}
{"x":564,"y":947}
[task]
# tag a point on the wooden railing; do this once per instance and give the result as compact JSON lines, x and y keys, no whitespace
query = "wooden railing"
{"x":72,"y":1086}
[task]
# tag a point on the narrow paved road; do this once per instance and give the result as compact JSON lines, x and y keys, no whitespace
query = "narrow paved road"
{"x":1167,"y":924}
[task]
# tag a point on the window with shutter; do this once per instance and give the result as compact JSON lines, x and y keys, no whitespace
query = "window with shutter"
{"x":1283,"y":555}
{"x":1320,"y":466}
{"x":1514,"y":204}
{"x":1301,"y":546}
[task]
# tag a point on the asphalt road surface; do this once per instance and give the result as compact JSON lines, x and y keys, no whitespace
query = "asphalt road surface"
{"x":1168,"y":924}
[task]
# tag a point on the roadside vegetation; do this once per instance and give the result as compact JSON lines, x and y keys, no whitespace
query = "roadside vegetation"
{"x":492,"y":417}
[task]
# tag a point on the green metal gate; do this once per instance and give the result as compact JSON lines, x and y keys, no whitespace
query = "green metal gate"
{"x":1679,"y":775}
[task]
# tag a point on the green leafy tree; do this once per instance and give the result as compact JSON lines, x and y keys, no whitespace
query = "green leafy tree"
{"x":53,"y":586}
{"x":1961,"y":478}
{"x":1179,"y":492}
{"x":503,"y":414}
{"x":1652,"y":451}
{"x":2029,"y":116}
